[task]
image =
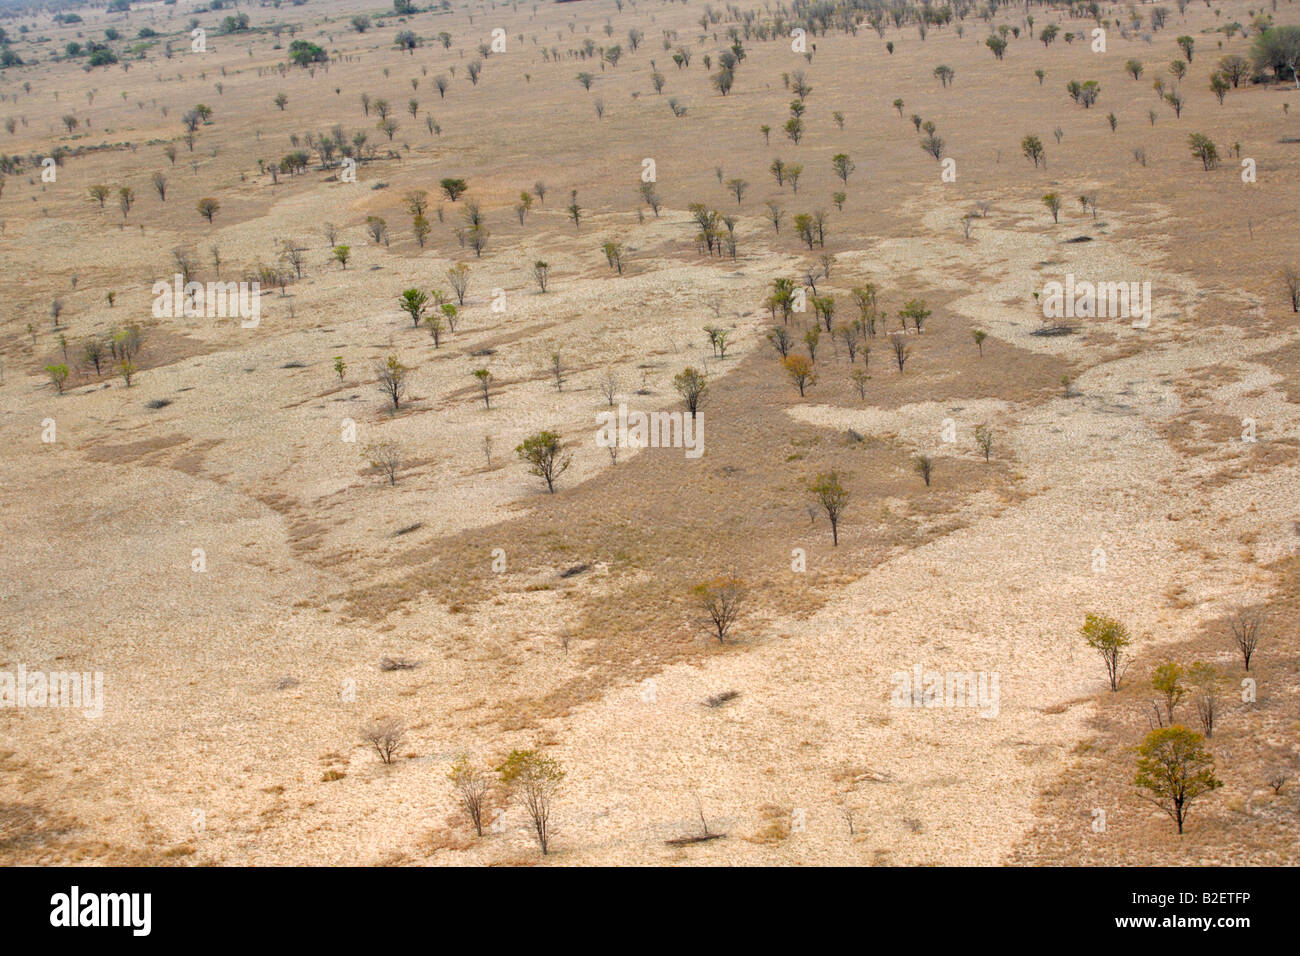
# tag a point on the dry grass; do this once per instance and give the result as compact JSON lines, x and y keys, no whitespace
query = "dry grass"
{"x":229,"y":441}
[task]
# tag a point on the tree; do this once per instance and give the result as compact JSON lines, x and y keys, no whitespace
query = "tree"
{"x":1246,"y":626}
{"x":433,"y":322}
{"x":160,"y":186}
{"x":1053,"y":203}
{"x":923,"y":465}
{"x":421,"y":228}
{"x":800,"y":371}
{"x":824,"y":309}
{"x":1176,"y":769}
{"x":997,"y":44}
{"x":281,"y":100}
{"x":933,"y":144}
{"x":1204,"y":680}
{"x":413,"y":302}
{"x":533,"y":779}
{"x":810,"y":338}
{"x":691,"y":385}
{"x":843,"y":166}
{"x":208,"y":208}
{"x":391,"y":379}
{"x":1108,"y":637}
{"x":458,"y":276}
{"x":541,"y":272}
{"x":92,"y":353}
{"x":1187,"y":44}
{"x":100,"y":192}
{"x":585,"y":80}
{"x":1291,"y":278}
{"x":126,"y":199}
{"x":545,"y":456}
{"x":377,"y":226}
{"x":979,"y":335}
{"x":737,"y":187}
{"x":1048,"y":33}
{"x":385,"y":457}
{"x":1032,"y":147}
{"x":780,"y":338}
{"x":1235,"y":68}
{"x":614,"y":255}
{"x":472,"y":786}
{"x":902,"y":352}
{"x":1203,"y":148}
{"x":1134,"y":68}
{"x":722,"y":599}
{"x":984,"y":440}
{"x":484,"y":378}
{"x":916,"y":311}
{"x":58,"y":376}
{"x":833,"y":499}
{"x":454,"y":188}
{"x":1219,"y":86}
{"x":302,"y":53}
{"x":574,"y":210}
{"x":1167,"y":681}
{"x":385,"y":734}
{"x":340,"y":366}
{"x":342,"y":254}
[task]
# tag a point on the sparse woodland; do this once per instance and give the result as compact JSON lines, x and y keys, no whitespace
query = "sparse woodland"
{"x":608,"y":370}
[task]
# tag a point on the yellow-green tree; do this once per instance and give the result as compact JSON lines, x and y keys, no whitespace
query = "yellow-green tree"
{"x":833,"y":499}
{"x":1174,"y":768}
{"x":533,"y":779}
{"x":1108,"y":637}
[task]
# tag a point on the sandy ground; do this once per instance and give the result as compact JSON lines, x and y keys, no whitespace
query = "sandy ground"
{"x":234,"y":695}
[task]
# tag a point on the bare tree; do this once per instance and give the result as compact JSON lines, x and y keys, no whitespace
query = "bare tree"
{"x":1291,"y":277}
{"x":472,"y":786}
{"x":385,"y":457}
{"x":723,"y":598}
{"x":385,"y":734}
{"x":901,"y":350}
{"x":458,"y":276}
{"x":609,"y":385}
{"x":1246,"y":625}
